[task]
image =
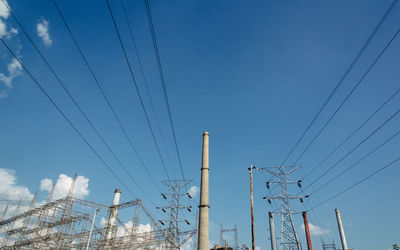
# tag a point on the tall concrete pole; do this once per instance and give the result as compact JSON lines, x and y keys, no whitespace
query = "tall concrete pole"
{"x":272,"y":231}
{"x":252,"y":208}
{"x":307,"y":229}
{"x":341,"y":231}
{"x":203,"y":242}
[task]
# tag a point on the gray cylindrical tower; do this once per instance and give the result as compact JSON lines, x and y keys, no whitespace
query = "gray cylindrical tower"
{"x":272,"y":231}
{"x":203,"y":242}
{"x":341,"y":230}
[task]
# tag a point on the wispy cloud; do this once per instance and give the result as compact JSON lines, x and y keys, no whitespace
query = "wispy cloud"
{"x":14,"y":69}
{"x":42,"y":29}
{"x":316,"y":230}
{"x":4,"y":15}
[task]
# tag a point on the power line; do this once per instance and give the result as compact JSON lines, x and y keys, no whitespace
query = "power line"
{"x":348,"y":95}
{"x":353,"y":149}
{"x":161,"y":72}
{"x":67,"y":119}
{"x":147,"y":87}
{"x":353,"y":133}
{"x":137,"y":88}
{"x":357,"y":183}
{"x":365,"y":45}
{"x":144,"y":78}
{"x":357,"y":162}
{"x":75,"y":102}
{"x":106,"y":98}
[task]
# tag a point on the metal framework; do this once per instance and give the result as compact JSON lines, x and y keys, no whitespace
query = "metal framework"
{"x":69,"y":223}
{"x":289,"y":238}
{"x":176,"y":187}
{"x":229,"y":230}
{"x":328,"y":246}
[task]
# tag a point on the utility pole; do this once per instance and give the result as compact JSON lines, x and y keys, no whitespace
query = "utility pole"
{"x":175,"y":187}
{"x":204,"y":195}
{"x":252,"y":207}
{"x":91,"y":227}
{"x":307,"y":230}
{"x":289,"y":238}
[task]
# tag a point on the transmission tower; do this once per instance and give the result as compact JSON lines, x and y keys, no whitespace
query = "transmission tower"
{"x":289,"y":238}
{"x":176,"y":187}
{"x":328,"y":246}
{"x":230,"y":230}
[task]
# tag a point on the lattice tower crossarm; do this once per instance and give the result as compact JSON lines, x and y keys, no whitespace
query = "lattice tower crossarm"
{"x":289,"y":238}
{"x":174,"y":195}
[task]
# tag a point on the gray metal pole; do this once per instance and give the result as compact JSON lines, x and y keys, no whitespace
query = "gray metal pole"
{"x":341,"y":230}
{"x":272,"y":231}
{"x":203,"y":242}
{"x":91,"y":227}
{"x":253,"y":247}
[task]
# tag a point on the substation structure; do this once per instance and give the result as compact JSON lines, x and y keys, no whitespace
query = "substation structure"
{"x":69,"y":223}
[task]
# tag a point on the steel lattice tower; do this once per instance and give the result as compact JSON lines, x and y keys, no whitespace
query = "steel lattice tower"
{"x":289,"y":238}
{"x":176,"y":187}
{"x":328,"y":246}
{"x":229,"y":230}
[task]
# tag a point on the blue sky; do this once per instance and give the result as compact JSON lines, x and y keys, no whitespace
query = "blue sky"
{"x":252,"y":73}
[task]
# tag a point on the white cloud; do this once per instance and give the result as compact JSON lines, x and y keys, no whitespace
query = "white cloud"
{"x":42,"y":29}
{"x":14,"y":69}
{"x":316,"y":230}
{"x":193,"y":191}
{"x":5,"y":14}
{"x":63,"y":185}
{"x":122,"y":230}
{"x":11,"y":192}
{"x":145,"y":232}
{"x":46,"y":184}
{"x":3,"y":28}
{"x":258,"y":248}
{"x":9,"y":188}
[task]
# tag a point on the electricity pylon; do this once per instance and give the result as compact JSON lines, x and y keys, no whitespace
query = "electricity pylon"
{"x":176,"y":187}
{"x":229,"y":230}
{"x":289,"y":238}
